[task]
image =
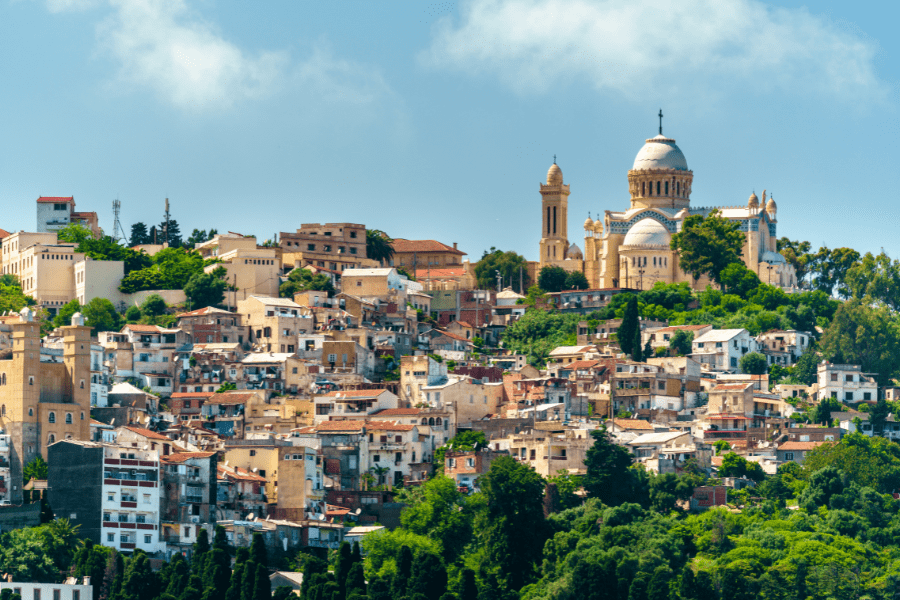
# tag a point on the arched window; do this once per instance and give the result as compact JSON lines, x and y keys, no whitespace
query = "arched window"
{"x":3,"y":379}
{"x":3,"y":411}
{"x":51,"y":439}
{"x":82,"y":384}
{"x":431,"y":421}
{"x":68,"y":418}
{"x":30,"y":412}
{"x":654,"y":261}
{"x":643,"y":188}
{"x":82,"y":415}
{"x":677,"y":188}
{"x":52,"y":417}
{"x":657,"y":188}
{"x":424,"y":421}
{"x":438,"y":421}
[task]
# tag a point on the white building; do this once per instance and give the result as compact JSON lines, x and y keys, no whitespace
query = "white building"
{"x":783,"y":347}
{"x":722,"y":349}
{"x":99,"y":377}
{"x":130,"y":499}
{"x":6,"y":483}
{"x":846,"y":383}
{"x":70,"y":590}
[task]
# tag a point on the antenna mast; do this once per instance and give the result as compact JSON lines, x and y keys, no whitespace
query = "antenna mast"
{"x":117,"y":225}
{"x":166,"y":232}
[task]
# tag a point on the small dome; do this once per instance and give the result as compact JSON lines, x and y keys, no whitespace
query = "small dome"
{"x":660,"y":153}
{"x":682,"y":214}
{"x":754,"y":200}
{"x":773,"y":258}
{"x":574,"y":252}
{"x":78,"y":319}
{"x":598,"y":227}
{"x":27,"y":314}
{"x":554,"y":175}
{"x":647,"y":231}
{"x":771,"y":207}
{"x":589,"y":223}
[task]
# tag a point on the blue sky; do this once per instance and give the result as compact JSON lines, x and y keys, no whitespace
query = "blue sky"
{"x":438,"y":119}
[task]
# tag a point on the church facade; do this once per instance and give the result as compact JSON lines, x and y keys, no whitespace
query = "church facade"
{"x":631,"y":248}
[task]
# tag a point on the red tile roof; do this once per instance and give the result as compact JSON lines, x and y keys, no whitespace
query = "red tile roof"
{"x":231,"y":398}
{"x":152,"y":435}
{"x":3,"y":233}
{"x":55,"y":199}
{"x":181,"y":457}
{"x":402,"y":245}
{"x":398,"y":412}
{"x":376,"y":425}
{"x":454,"y":336}
{"x":356,"y":393}
{"x":238,"y":473}
{"x":633,"y":424}
{"x":444,"y":272}
{"x":192,"y":394}
{"x":800,"y":445}
{"x":340,"y":426}
{"x":580,"y":364}
{"x":681,"y":327}
{"x":143,"y":328}
{"x":205,"y":311}
{"x":732,"y":386}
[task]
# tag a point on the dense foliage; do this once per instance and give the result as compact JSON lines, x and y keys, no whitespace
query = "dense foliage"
{"x":513,"y":269}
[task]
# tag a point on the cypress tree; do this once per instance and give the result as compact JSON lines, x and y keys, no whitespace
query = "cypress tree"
{"x":379,"y":589}
{"x":357,"y":553}
{"x":400,"y":583}
{"x":235,"y":585}
{"x":342,"y":566}
{"x":356,"y":580}
{"x":178,"y":575}
{"x":429,"y":577}
{"x":637,"y":353}
{"x":630,"y":323}
{"x":262,"y":588}
{"x":201,"y":549}
{"x":248,"y":580}
{"x":468,"y":589}
{"x":258,"y":552}
{"x":217,"y":576}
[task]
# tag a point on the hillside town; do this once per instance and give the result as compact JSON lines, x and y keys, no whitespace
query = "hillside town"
{"x":296,"y":393}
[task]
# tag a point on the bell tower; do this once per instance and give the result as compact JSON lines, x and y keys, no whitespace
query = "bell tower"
{"x":554,"y":217}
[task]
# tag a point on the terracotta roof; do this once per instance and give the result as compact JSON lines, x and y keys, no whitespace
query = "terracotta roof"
{"x":356,"y":393}
{"x":376,"y":425}
{"x":181,"y":457}
{"x":402,"y":245}
{"x":732,"y":386}
{"x":55,"y":199}
{"x":444,"y":272}
{"x":143,"y":328}
{"x":799,"y":445}
{"x":353,"y":425}
{"x":3,"y":233}
{"x":398,"y":412}
{"x":633,"y":424}
{"x":239,"y":474}
{"x":147,"y":433}
{"x":728,"y":417}
{"x":453,"y":336}
{"x":205,"y":311}
{"x":192,"y":395}
{"x":581,"y":364}
{"x":463,"y":324}
{"x":230,"y":398}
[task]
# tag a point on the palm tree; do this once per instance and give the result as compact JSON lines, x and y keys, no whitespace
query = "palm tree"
{"x":380,"y":472}
{"x":378,"y":246}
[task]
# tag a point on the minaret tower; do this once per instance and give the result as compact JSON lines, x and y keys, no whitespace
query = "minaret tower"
{"x":554,"y":216}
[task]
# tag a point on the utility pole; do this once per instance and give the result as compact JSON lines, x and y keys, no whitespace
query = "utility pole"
{"x":117,"y":225}
{"x":499,"y":281}
{"x":166,"y":232}
{"x":521,"y":281}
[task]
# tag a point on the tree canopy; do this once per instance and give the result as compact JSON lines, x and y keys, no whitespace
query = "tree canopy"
{"x":509,"y":264}
{"x":707,"y":245}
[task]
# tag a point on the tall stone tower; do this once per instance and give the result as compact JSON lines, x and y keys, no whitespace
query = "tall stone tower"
{"x":555,"y":212}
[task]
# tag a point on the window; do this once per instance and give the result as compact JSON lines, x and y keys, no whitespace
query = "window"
{"x":140,"y":518}
{"x":123,"y":518}
{"x":848,"y":378}
{"x":148,"y":539}
{"x":76,"y":594}
{"x":326,"y":248}
{"x":253,"y":453}
{"x":353,"y":234}
{"x":788,"y":456}
{"x":352,"y":250}
{"x":110,"y":537}
{"x":834,"y":376}
{"x":68,"y":418}
{"x":311,"y":247}
{"x":107,"y":516}
{"x":56,"y":594}
{"x":376,"y":458}
{"x":51,"y":418}
{"x":848,"y":396}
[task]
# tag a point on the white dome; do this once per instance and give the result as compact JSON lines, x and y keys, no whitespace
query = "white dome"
{"x":773,"y":258}
{"x":660,"y":153}
{"x":647,"y":231}
{"x":574,"y":252}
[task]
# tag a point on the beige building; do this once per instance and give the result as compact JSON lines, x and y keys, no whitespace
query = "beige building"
{"x":334,"y":246}
{"x":45,"y":267}
{"x":384,"y":284}
{"x":275,"y":323}
{"x":99,"y":279}
{"x":56,"y":212}
{"x":41,"y":401}
{"x":252,"y":270}
{"x":549,"y":452}
{"x":413,"y":255}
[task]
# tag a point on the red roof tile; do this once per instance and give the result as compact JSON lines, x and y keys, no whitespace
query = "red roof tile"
{"x":398,"y":412}
{"x":633,"y":424}
{"x":181,"y":457}
{"x":800,"y":445}
{"x":231,"y":398}
{"x":402,"y":245}
{"x":376,"y":425}
{"x":192,"y":394}
{"x":3,"y":233}
{"x":437,"y":273}
{"x":152,"y":435}
{"x":142,"y":328}
{"x":356,"y":393}
{"x":205,"y":311}
{"x":55,"y":199}
{"x":581,"y":364}
{"x":732,"y":386}
{"x":340,"y":426}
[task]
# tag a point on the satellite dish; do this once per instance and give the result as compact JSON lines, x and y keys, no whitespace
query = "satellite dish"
{"x":112,"y":423}
{"x":146,"y":447}
{"x":357,"y":511}
{"x":251,"y":517}
{"x":226,"y":463}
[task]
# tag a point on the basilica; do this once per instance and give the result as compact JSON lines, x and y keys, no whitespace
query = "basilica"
{"x":630,"y":248}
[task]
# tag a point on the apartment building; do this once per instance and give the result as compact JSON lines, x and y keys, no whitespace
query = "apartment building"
{"x":396,"y":452}
{"x":334,"y":246}
{"x":722,"y":349}
{"x":275,"y":323}
{"x":783,"y":348}
{"x":846,"y":383}
{"x":154,"y":351}
{"x":213,"y":325}
{"x":56,"y":212}
{"x":111,"y":492}
{"x":353,"y":403}
{"x":44,"y":267}
{"x":187,"y":499}
{"x":239,"y":493}
{"x":251,"y":269}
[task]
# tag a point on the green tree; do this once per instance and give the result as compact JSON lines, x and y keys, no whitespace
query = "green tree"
{"x":706,"y":246}
{"x":301,"y":279}
{"x":379,"y":246}
{"x":608,"y":477}
{"x":139,"y":235}
{"x":207,"y":289}
{"x":754,"y":363}
{"x":721,"y":446}
{"x":64,"y":314}
{"x":153,"y":306}
{"x":637,"y":353}
{"x":552,"y":278}
{"x":512,"y":525}
{"x":576,"y":280}
{"x":442,"y":514}
{"x":170,"y":233}
{"x":866,"y":336}
{"x":74,"y":233}
{"x":262,"y":587}
{"x":735,"y":465}
{"x":509,"y":264}
{"x":737,"y":279}
{"x":258,"y":552}
{"x":681,"y":342}
{"x":468,"y":588}
{"x":101,"y":315}
{"x":133,"y":314}
{"x":429,"y":577}
{"x":830,"y":268}
{"x":876,"y":278}
{"x":36,"y":468}
{"x":630,"y":329}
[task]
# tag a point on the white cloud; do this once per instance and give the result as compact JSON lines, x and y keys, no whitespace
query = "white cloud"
{"x":165,"y":47}
{"x":649,"y":47}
